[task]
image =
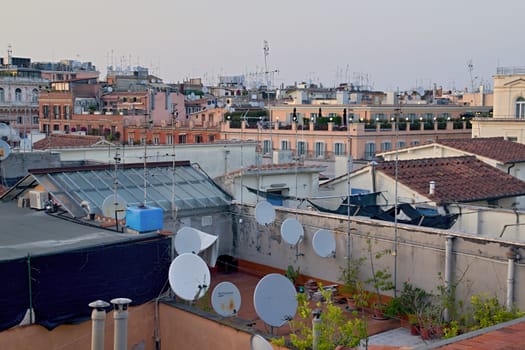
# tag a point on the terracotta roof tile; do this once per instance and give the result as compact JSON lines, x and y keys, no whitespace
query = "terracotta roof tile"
{"x":491,"y":147}
{"x":458,"y":179}
{"x":66,"y":140}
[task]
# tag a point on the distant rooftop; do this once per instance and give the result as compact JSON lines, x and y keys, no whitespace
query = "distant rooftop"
{"x":54,"y":141}
{"x":496,"y":148}
{"x":510,"y":70}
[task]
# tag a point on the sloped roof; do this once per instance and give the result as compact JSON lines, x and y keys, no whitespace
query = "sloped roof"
{"x":67,"y":140}
{"x":458,"y":179}
{"x":491,"y":147}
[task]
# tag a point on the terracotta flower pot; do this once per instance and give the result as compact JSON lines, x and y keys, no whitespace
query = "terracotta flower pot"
{"x":425,"y":333}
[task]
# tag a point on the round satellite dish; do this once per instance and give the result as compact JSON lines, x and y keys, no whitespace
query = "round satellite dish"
{"x":114,"y":205}
{"x":324,"y":243}
{"x":189,"y":276}
{"x":264,"y":213}
{"x":5,"y":150}
{"x":226,"y":299}
{"x":275,"y":300}
{"x":187,"y":240}
{"x":292,"y":231}
{"x":257,"y":342}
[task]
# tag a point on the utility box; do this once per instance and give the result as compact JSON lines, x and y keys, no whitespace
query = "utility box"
{"x":144,"y":219}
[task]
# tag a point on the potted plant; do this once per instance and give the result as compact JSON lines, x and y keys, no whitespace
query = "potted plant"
{"x":350,"y":278}
{"x":381,"y":280}
{"x":292,"y":273}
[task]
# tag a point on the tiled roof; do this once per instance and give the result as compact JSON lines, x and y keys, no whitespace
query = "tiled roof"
{"x":66,"y":140}
{"x":491,"y":147}
{"x":458,"y":179}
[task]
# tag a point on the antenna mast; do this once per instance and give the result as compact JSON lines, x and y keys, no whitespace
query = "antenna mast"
{"x":266,"y":50}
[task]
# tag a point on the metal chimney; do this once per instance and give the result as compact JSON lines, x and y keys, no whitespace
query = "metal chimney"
{"x":98,"y":318}
{"x":432,"y":187}
{"x":120,"y":315}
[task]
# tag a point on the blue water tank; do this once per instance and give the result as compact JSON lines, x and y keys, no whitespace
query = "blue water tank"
{"x":144,"y":219}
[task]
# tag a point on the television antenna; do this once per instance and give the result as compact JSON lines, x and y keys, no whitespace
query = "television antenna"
{"x":473,"y":79}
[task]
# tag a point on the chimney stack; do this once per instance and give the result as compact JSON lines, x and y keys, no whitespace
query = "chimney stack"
{"x":432,"y":188}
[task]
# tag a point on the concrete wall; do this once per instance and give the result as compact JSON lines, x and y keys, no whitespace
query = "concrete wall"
{"x":215,"y":159}
{"x":78,"y":337}
{"x":480,"y":263}
{"x":17,"y":164}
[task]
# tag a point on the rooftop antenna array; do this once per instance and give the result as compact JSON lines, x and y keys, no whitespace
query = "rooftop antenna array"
{"x":147,"y":124}
{"x":174,"y":117}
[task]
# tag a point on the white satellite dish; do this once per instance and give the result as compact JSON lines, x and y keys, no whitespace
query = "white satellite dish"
{"x":114,"y":204}
{"x":264,"y":213}
{"x":275,"y":300}
{"x":324,"y":243}
{"x":5,"y":150}
{"x":189,"y":276}
{"x":292,"y":231}
{"x":257,"y":342}
{"x":226,"y":299}
{"x":187,"y":240}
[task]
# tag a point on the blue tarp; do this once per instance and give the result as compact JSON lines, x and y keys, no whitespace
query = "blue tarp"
{"x":64,"y":284}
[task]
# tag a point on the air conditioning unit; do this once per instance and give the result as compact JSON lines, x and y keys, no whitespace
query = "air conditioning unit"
{"x":37,"y":199}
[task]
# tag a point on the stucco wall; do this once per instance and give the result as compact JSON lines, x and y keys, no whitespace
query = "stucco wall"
{"x":478,"y":262}
{"x":78,"y":337}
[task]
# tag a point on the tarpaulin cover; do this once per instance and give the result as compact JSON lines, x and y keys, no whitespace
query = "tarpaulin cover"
{"x":64,"y":284}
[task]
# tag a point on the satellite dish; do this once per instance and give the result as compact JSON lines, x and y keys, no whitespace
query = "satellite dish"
{"x":187,"y":240}
{"x":264,"y":213}
{"x":292,"y":231}
{"x":257,"y":342}
{"x":189,"y":276}
{"x":226,"y":299}
{"x":324,"y":243}
{"x":5,"y":150}
{"x":275,"y":300}
{"x":114,"y":205}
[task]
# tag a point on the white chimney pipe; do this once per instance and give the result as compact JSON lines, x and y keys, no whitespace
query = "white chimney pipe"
{"x":98,"y":318}
{"x":432,"y":187}
{"x":120,"y":315}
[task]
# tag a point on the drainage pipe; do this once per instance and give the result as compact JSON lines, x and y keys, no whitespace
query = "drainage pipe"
{"x":120,"y":315}
{"x":512,"y":256}
{"x":448,"y":273}
{"x":98,"y":318}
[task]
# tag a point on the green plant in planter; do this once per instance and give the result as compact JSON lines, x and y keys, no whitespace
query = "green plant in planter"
{"x":350,"y":275}
{"x":335,"y":327}
{"x":292,"y":273}
{"x":381,"y":279}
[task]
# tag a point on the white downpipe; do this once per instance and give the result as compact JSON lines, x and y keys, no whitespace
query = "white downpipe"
{"x":448,"y":272}
{"x":98,"y":318}
{"x":512,"y":256}
{"x":316,"y":331}
{"x":120,"y":315}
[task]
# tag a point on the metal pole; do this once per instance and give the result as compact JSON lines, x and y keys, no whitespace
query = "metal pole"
{"x":448,"y":273}
{"x":98,"y":318}
{"x":316,"y":329}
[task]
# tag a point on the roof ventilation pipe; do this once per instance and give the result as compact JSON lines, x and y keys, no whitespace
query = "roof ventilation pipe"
{"x":120,"y":315}
{"x":98,"y":318}
{"x":432,"y":187}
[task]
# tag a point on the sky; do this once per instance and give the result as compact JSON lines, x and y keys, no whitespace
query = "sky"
{"x":384,"y":44}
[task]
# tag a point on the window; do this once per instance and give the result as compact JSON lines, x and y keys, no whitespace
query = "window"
{"x":169,"y":139}
{"x":198,"y":138}
{"x":34,"y":96}
{"x":56,"y":127}
{"x":319,"y":149}
{"x":156,"y":140}
{"x":142,"y":140}
{"x":67,"y":111}
{"x":35,"y":119}
{"x":401,"y":144}
{"x":267,"y":146}
{"x":414,"y":143}
{"x":211,"y":138}
{"x":2,"y":95}
{"x":182,"y":138}
{"x":56,"y":111}
{"x":513,"y":139}
{"x":285,"y":145}
{"x":45,"y":111}
{"x":370,"y":150}
{"x":18,"y":95}
{"x":131,"y":139}
{"x":19,"y":120}
{"x":520,"y":108}
{"x":301,"y":147}
{"x":386,"y":146}
{"x":339,"y":149}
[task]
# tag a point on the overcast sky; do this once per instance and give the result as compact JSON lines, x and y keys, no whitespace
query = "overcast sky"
{"x":386,"y":43}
